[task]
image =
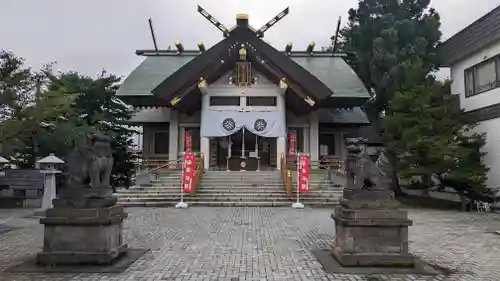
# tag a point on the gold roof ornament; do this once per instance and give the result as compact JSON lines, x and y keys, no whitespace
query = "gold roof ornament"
{"x":309,"y":101}
{"x":202,"y":83}
{"x":241,"y":16}
{"x":175,"y":100}
{"x":283,"y":84}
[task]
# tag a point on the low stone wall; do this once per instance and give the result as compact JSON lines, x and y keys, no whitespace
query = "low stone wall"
{"x":21,"y":188}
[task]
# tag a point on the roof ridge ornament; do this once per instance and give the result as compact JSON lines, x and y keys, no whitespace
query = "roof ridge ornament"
{"x":273,"y":21}
{"x":242,"y":21}
{"x":213,"y":21}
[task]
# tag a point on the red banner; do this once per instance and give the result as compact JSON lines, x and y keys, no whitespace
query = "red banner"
{"x":303,"y":173}
{"x":292,"y":143}
{"x":188,"y":171}
{"x":187,"y":141}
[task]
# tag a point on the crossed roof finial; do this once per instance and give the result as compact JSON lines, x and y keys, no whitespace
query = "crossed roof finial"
{"x":226,"y":31}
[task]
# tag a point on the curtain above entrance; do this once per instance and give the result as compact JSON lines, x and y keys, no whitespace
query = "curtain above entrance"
{"x":220,"y":123}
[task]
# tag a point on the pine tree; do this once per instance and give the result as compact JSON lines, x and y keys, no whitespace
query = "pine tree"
{"x":432,"y":139}
{"x":29,"y":113}
{"x":99,"y":108}
{"x":385,"y":37}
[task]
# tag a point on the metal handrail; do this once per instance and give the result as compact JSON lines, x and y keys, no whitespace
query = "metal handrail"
{"x":328,"y":164}
{"x":198,"y":174}
{"x":286,"y":175}
{"x":169,"y":162}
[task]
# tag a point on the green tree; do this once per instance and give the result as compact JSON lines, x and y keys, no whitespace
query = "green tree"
{"x":432,"y":139}
{"x":97,"y":107}
{"x":388,"y":36}
{"x":29,"y":112}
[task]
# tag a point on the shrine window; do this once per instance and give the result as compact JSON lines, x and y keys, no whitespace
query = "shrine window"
{"x":224,"y":101}
{"x":261,"y":101}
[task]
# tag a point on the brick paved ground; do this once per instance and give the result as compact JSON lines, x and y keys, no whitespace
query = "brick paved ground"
{"x":201,"y":244}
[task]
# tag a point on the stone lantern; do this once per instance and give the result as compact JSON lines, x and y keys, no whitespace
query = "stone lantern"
{"x":48,"y":166}
{"x":3,"y":162}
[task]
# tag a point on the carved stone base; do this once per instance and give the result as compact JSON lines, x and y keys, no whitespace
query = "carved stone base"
{"x":85,"y":197}
{"x":82,"y":236}
{"x":368,"y":237}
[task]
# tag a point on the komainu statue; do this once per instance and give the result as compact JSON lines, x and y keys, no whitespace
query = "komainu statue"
{"x":88,"y":174}
{"x":364,"y":173}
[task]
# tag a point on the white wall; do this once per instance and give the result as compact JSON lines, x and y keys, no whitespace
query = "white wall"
{"x":490,"y":127}
{"x":492,"y":147}
{"x":458,"y":78}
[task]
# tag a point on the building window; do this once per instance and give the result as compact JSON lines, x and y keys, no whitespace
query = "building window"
{"x":161,"y":142}
{"x":482,"y":77}
{"x":224,"y":101}
{"x":326,"y":144}
{"x":261,"y":101}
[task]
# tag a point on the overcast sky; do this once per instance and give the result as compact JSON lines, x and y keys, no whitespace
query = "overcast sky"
{"x":90,"y":35}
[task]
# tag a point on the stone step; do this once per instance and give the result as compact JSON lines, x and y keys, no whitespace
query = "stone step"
{"x":199,"y":197}
{"x":224,"y":204}
{"x":227,"y":188}
{"x":222,"y":192}
{"x":258,"y":187}
{"x":227,"y":195}
{"x":222,"y":188}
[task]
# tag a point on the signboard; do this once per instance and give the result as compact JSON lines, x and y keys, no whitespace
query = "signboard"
{"x":292,"y":143}
{"x":303,"y":173}
{"x":188,"y":171}
{"x":187,"y":141}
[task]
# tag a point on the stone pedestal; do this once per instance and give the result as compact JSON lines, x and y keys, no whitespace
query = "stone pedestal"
{"x":82,"y":236}
{"x":371,"y":233}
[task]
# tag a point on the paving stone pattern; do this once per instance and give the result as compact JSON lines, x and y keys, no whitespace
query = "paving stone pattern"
{"x":234,"y":244}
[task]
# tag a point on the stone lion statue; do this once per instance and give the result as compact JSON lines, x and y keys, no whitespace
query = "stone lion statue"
{"x":368,"y":174}
{"x":375,"y":175}
{"x":91,"y":168}
{"x":88,"y":174}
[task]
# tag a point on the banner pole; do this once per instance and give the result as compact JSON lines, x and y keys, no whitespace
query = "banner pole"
{"x":298,"y":205}
{"x":182,"y":204}
{"x":298,"y":181}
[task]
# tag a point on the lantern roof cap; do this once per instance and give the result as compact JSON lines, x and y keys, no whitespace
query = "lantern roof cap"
{"x":51,"y":159}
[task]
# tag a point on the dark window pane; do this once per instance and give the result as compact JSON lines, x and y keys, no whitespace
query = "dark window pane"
{"x":225,"y":101}
{"x":469,"y":83}
{"x":161,"y":140}
{"x":261,"y":101}
{"x":485,"y":76}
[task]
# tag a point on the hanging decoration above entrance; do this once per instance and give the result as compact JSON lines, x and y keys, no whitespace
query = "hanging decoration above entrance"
{"x":220,"y":123}
{"x":228,"y":124}
{"x":260,"y":125}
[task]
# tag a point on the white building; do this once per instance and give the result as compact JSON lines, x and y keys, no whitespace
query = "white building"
{"x":473,"y":56}
{"x":244,"y":104}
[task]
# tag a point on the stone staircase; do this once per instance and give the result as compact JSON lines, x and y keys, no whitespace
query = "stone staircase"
{"x":322,"y":192}
{"x":221,"y":188}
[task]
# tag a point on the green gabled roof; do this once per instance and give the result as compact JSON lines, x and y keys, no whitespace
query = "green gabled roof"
{"x":150,"y":73}
{"x":355,"y":116}
{"x":336,"y":74}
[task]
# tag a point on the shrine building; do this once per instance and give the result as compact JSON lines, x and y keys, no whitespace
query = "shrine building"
{"x":242,"y":102}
